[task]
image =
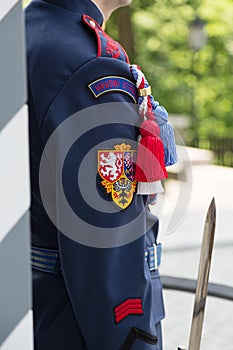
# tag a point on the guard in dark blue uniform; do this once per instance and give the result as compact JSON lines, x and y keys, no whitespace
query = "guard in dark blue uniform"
{"x":87,"y":294}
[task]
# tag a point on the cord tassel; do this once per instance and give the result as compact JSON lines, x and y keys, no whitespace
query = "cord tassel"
{"x":166,"y":132}
{"x":168,"y":138}
{"x":150,"y":165}
{"x":156,"y":147}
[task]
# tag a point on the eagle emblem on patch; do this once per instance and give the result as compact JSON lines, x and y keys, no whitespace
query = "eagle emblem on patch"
{"x":116,"y":168}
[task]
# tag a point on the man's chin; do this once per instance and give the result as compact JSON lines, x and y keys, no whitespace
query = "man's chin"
{"x":123,"y":3}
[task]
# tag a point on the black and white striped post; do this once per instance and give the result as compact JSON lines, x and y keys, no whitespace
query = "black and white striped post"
{"x":15,"y":279}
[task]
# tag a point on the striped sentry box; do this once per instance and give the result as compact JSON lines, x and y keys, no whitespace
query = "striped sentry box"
{"x":15,"y":279}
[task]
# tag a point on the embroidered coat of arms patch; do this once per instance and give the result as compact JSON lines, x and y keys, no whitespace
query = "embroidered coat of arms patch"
{"x":116,"y":168}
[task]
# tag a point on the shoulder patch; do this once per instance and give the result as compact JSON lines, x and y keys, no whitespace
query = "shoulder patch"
{"x":107,"y":47}
{"x":113,"y":83}
{"x":116,"y":168}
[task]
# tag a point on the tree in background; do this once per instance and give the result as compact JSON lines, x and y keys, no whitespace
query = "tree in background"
{"x":199,"y":84}
{"x":155,"y":33}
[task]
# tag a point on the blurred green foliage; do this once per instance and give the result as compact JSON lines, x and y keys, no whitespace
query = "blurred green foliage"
{"x":185,"y":81}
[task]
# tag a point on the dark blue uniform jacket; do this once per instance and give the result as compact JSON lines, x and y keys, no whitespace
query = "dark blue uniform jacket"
{"x":106,"y":297}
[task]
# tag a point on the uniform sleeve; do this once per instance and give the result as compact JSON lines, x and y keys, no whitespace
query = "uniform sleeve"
{"x":116,"y":300}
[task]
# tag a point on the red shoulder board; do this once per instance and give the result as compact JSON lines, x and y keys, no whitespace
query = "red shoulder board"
{"x":107,"y":47}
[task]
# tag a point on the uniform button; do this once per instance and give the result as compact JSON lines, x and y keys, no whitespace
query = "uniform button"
{"x":92,"y":23}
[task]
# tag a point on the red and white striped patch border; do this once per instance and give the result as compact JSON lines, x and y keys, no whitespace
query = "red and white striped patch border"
{"x":128,"y":307}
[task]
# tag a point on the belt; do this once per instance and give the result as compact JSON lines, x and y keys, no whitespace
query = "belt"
{"x":47,"y":260}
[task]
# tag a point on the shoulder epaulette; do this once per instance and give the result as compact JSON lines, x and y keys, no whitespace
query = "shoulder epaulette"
{"x":107,"y":47}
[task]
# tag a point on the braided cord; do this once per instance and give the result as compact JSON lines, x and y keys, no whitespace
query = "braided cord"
{"x":151,"y":109}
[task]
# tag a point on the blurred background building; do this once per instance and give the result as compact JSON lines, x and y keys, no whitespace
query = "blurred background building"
{"x":15,"y":277}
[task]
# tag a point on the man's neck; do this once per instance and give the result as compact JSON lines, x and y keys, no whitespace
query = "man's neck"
{"x":106,"y":7}
{"x":100,"y":9}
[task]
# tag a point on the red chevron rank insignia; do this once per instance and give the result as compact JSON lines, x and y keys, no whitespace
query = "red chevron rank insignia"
{"x":128,"y":307}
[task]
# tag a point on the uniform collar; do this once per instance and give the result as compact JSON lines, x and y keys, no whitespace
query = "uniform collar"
{"x":87,"y":7}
